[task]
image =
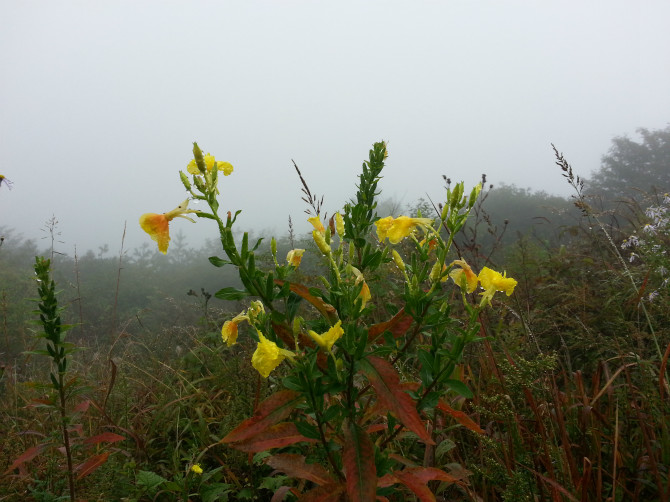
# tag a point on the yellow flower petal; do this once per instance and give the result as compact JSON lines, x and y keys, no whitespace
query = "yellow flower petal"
{"x":157,"y":225}
{"x":318,"y":225}
{"x":229,"y":332}
{"x":396,"y":229}
{"x":267,"y":356}
{"x":294,"y":257}
{"x":225,"y":167}
{"x":328,"y":339}
{"x":493,"y":281}
{"x":471,"y":278}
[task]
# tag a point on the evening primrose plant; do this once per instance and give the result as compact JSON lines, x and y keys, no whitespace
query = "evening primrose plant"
{"x":359,"y":402}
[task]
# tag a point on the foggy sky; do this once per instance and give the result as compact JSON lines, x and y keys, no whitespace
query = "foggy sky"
{"x":100,"y":101}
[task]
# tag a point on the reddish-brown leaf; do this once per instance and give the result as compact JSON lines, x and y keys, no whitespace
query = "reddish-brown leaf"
{"x":358,"y":460}
{"x":460,"y":417}
{"x":27,"y":456}
{"x":105,"y":437}
{"x":397,"y":325}
{"x":416,"y":479}
{"x":282,"y":434}
{"x":281,"y":492}
{"x":295,"y":466}
{"x":270,"y":412}
{"x":82,"y":407}
{"x":91,"y":465}
{"x":327,"y":310}
{"x":328,"y":493}
{"x":385,"y":380}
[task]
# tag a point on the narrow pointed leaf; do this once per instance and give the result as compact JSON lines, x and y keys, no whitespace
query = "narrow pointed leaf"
{"x":397,"y":325}
{"x":27,"y":456}
{"x":326,"y":310}
{"x":328,"y":493}
{"x":282,"y":434}
{"x":460,"y":417}
{"x":105,"y":437}
{"x":385,"y":380}
{"x":358,"y":459}
{"x":91,"y":465}
{"x":270,"y":412}
{"x":295,"y":466}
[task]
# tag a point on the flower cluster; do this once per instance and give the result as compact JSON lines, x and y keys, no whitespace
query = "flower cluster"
{"x":651,"y":245}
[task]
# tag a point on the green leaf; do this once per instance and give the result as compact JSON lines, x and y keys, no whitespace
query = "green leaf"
{"x":219,"y":262}
{"x":231,"y":294}
{"x":149,"y":479}
{"x":459,"y":387}
{"x":308,"y":430}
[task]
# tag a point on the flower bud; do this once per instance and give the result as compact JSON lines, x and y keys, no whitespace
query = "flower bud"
{"x":273,"y":247}
{"x":339,"y":225}
{"x":320,"y":241}
{"x":185,"y":181}
{"x":398,"y":260}
{"x":199,"y":158}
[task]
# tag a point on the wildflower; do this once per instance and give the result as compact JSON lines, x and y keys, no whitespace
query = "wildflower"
{"x":464,"y":275}
{"x":364,"y":295}
{"x":493,"y":281}
{"x":328,"y":339}
{"x":196,"y":468}
{"x":225,"y":167}
{"x":157,"y":225}
{"x":229,"y":328}
{"x":268,"y":356}
{"x":255,"y":310}
{"x":396,"y":229}
{"x":4,"y":180}
{"x":294,"y":257}
{"x":318,"y":226}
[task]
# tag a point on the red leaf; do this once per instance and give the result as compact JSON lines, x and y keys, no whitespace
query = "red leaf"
{"x":83,"y":406}
{"x":397,"y":325}
{"x":91,"y":464}
{"x":384,"y":378}
{"x":27,"y":456}
{"x":271,"y":411}
{"x":460,"y":417}
{"x":416,"y":479}
{"x":279,"y":435}
{"x":295,"y":466}
{"x":327,"y":493}
{"x":281,"y":492}
{"x":358,"y":459}
{"x":327,"y":310}
{"x":105,"y":437}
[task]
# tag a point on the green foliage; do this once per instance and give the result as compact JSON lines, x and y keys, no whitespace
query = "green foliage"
{"x":631,"y":167}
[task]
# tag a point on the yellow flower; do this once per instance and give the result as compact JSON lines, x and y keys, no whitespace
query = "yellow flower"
{"x":229,"y":328}
{"x":457,"y":275}
{"x":157,"y":225}
{"x":318,"y":226}
{"x":383,"y":226}
{"x":268,"y":356}
{"x":396,"y":229}
{"x":364,"y":295}
{"x":210,"y":162}
{"x":196,"y":468}
{"x":255,"y":310}
{"x":493,"y":281}
{"x":294,"y":257}
{"x":327,"y":340}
